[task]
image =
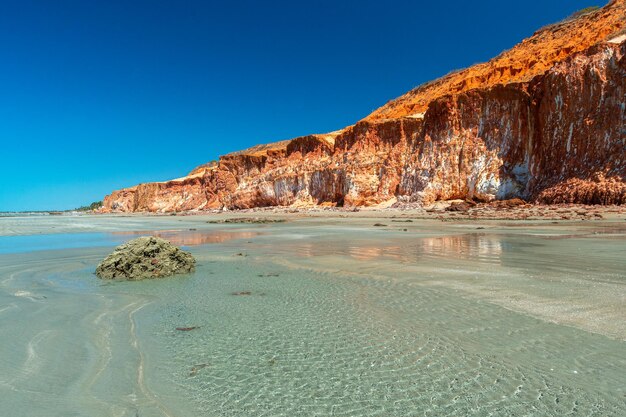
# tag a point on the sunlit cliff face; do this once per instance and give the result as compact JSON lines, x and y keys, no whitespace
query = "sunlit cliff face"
{"x":543,"y":121}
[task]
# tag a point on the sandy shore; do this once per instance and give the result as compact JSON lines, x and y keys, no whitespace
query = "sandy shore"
{"x":443,"y":211}
{"x":448,"y":211}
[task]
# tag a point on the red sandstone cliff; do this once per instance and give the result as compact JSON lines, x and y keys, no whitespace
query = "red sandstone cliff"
{"x":544,"y":121}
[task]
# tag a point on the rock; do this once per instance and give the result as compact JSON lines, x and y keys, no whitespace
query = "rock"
{"x":145,"y":257}
{"x":195,"y":369}
{"x":247,"y":220}
{"x":459,"y":206}
{"x":510,"y":203}
{"x":598,"y":189}
{"x":379,"y":225}
{"x":187,"y":329}
{"x":537,"y":122}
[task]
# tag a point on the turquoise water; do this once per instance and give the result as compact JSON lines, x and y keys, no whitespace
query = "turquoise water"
{"x":319,"y":317}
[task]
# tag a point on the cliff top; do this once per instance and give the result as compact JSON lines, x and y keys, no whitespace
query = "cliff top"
{"x":533,"y":56}
{"x":264,"y":149}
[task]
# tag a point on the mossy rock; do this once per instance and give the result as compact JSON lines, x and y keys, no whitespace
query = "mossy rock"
{"x":145,"y":257}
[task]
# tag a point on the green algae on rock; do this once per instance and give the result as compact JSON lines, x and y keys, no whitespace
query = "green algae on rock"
{"x":145,"y":257}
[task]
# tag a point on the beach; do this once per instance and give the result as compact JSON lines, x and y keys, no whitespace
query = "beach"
{"x":328,"y":312}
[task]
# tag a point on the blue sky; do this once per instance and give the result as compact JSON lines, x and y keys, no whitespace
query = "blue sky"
{"x":99,"y":95}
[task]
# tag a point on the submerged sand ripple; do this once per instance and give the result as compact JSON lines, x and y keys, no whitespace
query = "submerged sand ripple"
{"x":342,"y":318}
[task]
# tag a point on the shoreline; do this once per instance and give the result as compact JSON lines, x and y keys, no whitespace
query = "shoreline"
{"x":451,"y":210}
{"x":438,"y":215}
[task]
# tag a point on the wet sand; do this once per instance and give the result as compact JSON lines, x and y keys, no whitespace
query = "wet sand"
{"x":327,"y":313}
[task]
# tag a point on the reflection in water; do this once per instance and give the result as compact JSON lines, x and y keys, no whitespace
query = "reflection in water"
{"x":468,"y":246}
{"x":355,"y":250}
{"x":365,"y":253}
{"x":368,"y":253}
{"x":192,"y":237}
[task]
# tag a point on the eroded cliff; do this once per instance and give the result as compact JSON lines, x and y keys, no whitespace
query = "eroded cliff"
{"x":544,"y":121}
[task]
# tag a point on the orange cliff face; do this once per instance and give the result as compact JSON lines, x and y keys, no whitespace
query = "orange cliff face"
{"x":532,"y":57}
{"x":544,"y":121}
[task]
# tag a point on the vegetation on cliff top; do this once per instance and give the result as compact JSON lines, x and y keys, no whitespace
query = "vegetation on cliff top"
{"x":582,"y":12}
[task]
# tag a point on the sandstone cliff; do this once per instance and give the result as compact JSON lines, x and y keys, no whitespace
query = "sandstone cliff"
{"x":543,"y":121}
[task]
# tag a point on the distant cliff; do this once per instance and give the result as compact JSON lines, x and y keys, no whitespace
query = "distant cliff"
{"x":544,"y":121}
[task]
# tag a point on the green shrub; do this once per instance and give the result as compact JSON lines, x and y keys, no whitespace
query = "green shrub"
{"x":583,"y":12}
{"x":93,"y":206}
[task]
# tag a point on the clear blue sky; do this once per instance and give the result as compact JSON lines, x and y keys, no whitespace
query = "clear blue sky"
{"x":98,"y":95}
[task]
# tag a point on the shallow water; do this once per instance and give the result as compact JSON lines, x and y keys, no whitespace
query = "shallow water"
{"x":334,"y":317}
